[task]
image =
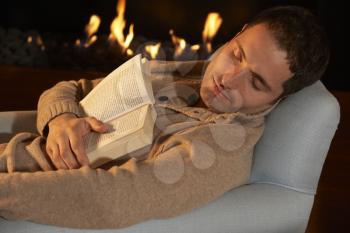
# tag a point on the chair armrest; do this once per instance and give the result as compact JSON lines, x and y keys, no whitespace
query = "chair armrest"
{"x":15,"y":122}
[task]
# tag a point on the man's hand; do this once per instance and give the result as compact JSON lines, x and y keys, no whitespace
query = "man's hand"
{"x":65,"y":144}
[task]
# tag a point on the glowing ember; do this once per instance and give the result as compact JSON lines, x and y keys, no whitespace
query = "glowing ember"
{"x":195,"y":47}
{"x":39,"y":41}
{"x":118,"y":25}
{"x":129,"y":52}
{"x":211,"y":27}
{"x":77,"y":42}
{"x":152,"y":50}
{"x":180,"y":43}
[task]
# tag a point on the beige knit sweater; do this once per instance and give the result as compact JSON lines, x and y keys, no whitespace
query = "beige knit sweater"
{"x":196,"y":156}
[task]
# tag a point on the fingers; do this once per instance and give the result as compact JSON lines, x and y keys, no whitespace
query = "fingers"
{"x":66,"y":154}
{"x":53,"y":153}
{"x":96,"y":125}
{"x":65,"y":144}
{"x":76,"y":136}
{"x":77,"y":146}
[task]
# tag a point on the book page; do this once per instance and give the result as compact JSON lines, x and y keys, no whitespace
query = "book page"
{"x":117,"y":128}
{"x":120,"y":92}
{"x":146,"y":70}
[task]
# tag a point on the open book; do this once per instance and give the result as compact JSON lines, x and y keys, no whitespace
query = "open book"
{"x":124,"y":101}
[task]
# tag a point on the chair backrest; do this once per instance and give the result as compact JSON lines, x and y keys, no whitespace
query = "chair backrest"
{"x":296,"y":139}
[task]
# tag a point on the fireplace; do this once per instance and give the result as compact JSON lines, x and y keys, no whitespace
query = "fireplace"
{"x":100,"y":40}
{"x":54,"y":34}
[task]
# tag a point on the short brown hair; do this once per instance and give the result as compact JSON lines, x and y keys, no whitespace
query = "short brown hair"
{"x":299,"y":34}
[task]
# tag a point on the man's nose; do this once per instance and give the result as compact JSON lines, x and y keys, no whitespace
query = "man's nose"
{"x":233,"y":79}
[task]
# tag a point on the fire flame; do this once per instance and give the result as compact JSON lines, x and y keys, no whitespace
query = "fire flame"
{"x":180,"y":43}
{"x":90,"y":29}
{"x":93,"y":25}
{"x":211,"y":27}
{"x":153,"y":50}
{"x":91,"y":41}
{"x":118,"y":25}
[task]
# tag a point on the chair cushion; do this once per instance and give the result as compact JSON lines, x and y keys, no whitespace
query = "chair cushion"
{"x":296,"y":139}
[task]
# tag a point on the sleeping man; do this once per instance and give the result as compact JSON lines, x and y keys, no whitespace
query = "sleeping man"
{"x":210,"y":115}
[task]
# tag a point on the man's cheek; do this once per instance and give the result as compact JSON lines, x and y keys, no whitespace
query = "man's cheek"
{"x":234,"y":104}
{"x":217,"y":105}
{"x":236,"y":99}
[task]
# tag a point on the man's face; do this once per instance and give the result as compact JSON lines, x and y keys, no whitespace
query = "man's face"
{"x":234,"y":79}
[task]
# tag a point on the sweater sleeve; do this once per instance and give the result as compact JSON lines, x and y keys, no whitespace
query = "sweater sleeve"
{"x":188,"y":172}
{"x":61,"y":98}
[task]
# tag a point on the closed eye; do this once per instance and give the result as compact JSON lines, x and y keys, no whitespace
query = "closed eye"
{"x":255,"y":76}
{"x":254,"y":85}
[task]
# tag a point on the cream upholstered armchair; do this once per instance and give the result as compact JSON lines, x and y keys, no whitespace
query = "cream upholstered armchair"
{"x":288,"y":160}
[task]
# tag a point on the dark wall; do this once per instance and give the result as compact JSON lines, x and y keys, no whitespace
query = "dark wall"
{"x":154,"y":18}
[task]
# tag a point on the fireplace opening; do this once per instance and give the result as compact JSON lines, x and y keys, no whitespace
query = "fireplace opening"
{"x":54,"y":34}
{"x":104,"y":36}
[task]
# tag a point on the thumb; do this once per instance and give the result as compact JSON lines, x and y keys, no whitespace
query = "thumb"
{"x":96,"y":125}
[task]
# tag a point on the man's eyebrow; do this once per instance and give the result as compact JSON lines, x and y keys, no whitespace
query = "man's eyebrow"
{"x":255,"y":75}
